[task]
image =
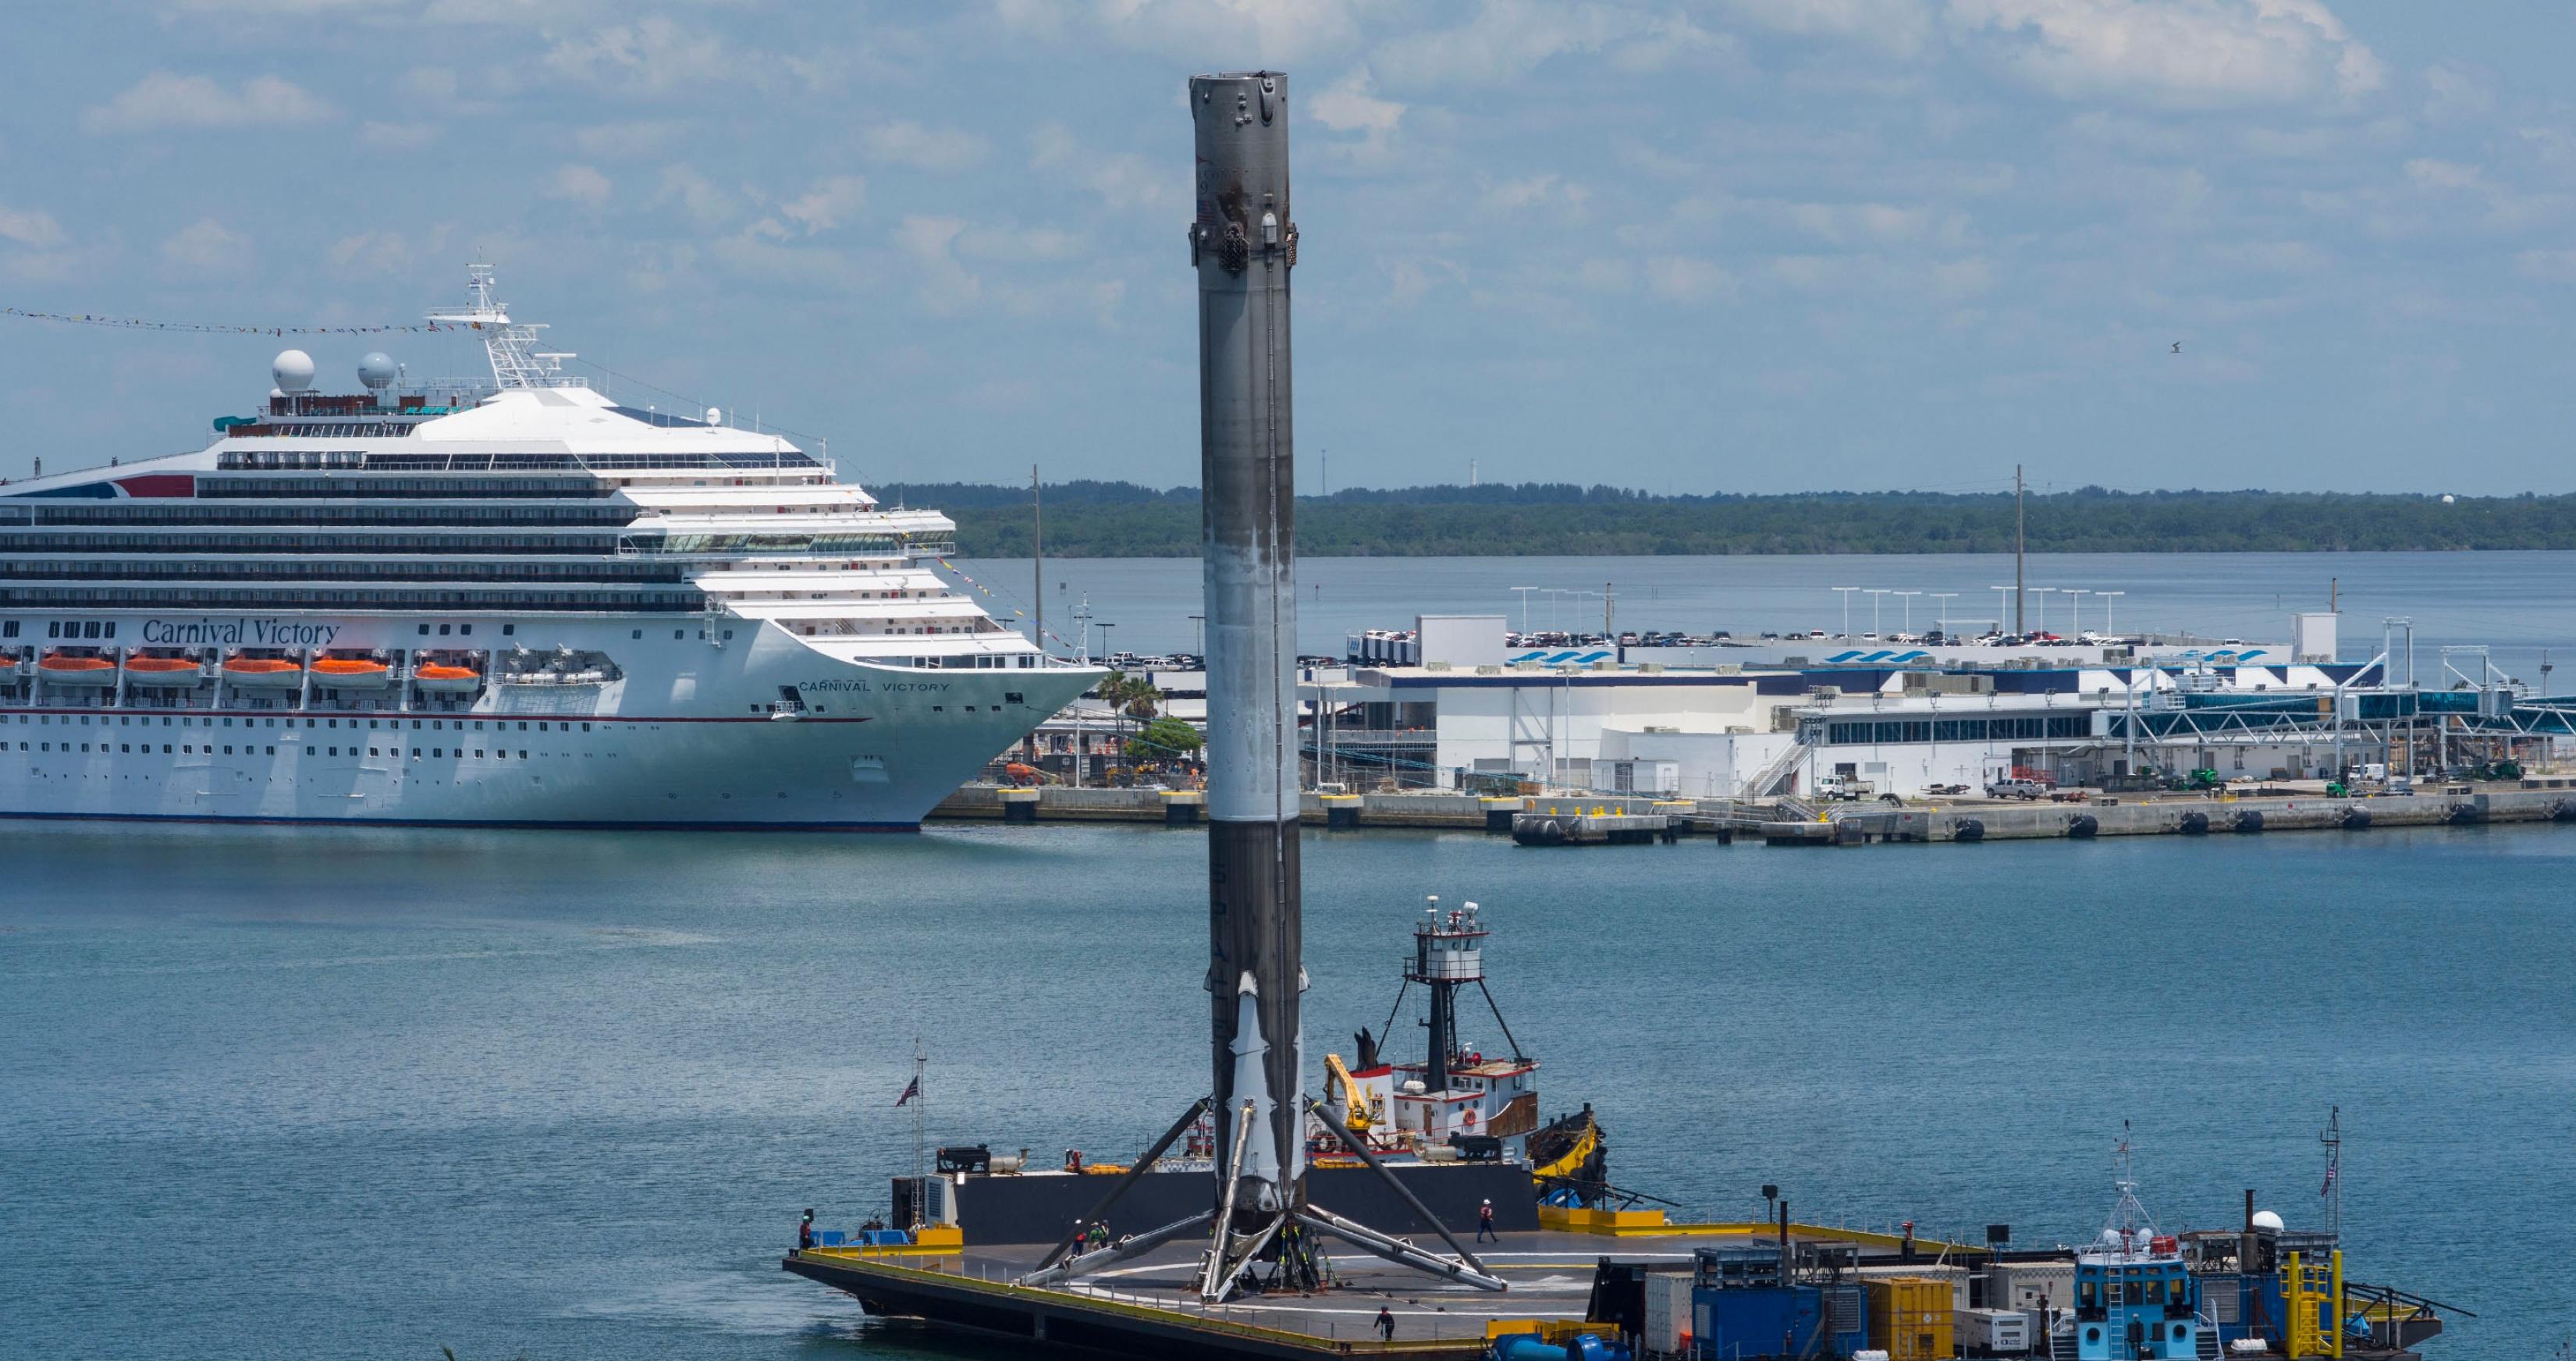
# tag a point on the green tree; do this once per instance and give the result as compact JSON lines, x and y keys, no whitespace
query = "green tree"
{"x":1163,"y":739}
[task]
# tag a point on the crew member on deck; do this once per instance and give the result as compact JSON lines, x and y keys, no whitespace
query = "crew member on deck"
{"x":805,"y":1230}
{"x":1385,"y":1324}
{"x":1485,"y":1223}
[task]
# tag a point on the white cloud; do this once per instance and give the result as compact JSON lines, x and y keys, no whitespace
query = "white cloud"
{"x":698,"y":196}
{"x":371,"y":253}
{"x":1232,"y":34}
{"x":1348,"y":106}
{"x":942,"y":284}
{"x":2456,"y":94}
{"x":429,"y":82}
{"x":398,"y":136}
{"x":829,"y":203}
{"x":30,"y":227}
{"x":651,"y":56}
{"x":629,"y":140}
{"x":945,"y":150}
{"x":1685,"y":278}
{"x":207,"y":247}
{"x":1123,"y":180}
{"x":1901,"y":27}
{"x":2182,"y":53}
{"x":2429,"y":173}
{"x":583,"y":184}
{"x":1543,"y":191}
{"x":1508,"y":39}
{"x":166,"y":100}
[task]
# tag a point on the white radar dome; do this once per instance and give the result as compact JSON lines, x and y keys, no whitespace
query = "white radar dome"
{"x":293,"y":370}
{"x":2265,"y":1219}
{"x":715,"y":415}
{"x":376,"y":369}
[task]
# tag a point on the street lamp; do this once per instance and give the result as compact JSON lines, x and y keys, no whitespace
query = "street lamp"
{"x":2001,"y":614}
{"x":2040,"y":624}
{"x":2106,"y":607}
{"x":1525,"y":595}
{"x":1198,"y":638}
{"x":1908,"y":598}
{"x":1945,"y":597}
{"x":1875,"y":601}
{"x":2077,"y":595}
{"x":1846,"y":593}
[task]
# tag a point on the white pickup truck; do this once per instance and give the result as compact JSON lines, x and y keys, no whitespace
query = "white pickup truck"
{"x":2015,"y":789}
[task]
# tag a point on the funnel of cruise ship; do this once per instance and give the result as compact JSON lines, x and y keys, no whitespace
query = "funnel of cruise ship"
{"x":504,"y":599}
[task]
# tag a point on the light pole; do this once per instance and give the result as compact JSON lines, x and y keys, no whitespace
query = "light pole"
{"x":1525,"y":595}
{"x":2106,"y":607}
{"x":2040,"y":624}
{"x":2000,"y":602}
{"x":1908,"y":598}
{"x":2077,"y":595}
{"x":1876,"y":598}
{"x":1945,"y":597}
{"x":1846,"y":593}
{"x":1198,"y":637}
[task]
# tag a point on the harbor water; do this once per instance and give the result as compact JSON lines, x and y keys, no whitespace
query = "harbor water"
{"x":2514,"y":603}
{"x":362,"y":1092}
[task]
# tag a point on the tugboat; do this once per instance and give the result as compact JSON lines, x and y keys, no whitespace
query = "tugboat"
{"x":2135,"y":1297}
{"x":1459,"y":1103}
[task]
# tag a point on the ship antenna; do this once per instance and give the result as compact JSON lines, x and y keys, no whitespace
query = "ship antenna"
{"x":2332,"y":1138}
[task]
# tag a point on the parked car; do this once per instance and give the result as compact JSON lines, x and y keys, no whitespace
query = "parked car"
{"x":2015,"y":789}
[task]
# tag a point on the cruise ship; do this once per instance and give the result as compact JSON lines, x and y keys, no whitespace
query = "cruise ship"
{"x":503,"y":601}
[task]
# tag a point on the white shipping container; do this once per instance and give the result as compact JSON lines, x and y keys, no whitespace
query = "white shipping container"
{"x":1668,"y":1312}
{"x":1999,"y":1332}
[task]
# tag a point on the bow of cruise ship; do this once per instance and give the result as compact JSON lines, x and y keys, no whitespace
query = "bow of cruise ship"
{"x":504,"y":600}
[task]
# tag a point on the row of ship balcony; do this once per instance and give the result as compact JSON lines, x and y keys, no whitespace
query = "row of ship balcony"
{"x":385,"y":680}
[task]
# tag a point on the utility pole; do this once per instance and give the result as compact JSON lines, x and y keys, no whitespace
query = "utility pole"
{"x":2017,"y":551}
{"x":1609,"y":611}
{"x":1037,"y":544}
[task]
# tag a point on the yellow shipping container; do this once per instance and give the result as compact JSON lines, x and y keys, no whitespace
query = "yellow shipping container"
{"x":1909,"y":1317}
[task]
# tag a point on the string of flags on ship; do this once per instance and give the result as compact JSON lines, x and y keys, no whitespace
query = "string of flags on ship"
{"x":1016,"y":612}
{"x":207,"y":328}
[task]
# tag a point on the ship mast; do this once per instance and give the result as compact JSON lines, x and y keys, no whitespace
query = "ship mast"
{"x":511,"y":346}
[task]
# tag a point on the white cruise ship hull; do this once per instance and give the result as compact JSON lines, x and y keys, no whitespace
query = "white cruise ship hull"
{"x":692,"y":733}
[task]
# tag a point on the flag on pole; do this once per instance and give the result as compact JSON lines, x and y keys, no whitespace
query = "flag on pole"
{"x":2331,"y":1164}
{"x":910,"y":1090}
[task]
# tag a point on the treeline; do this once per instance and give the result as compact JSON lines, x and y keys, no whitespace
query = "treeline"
{"x":1118,"y":519}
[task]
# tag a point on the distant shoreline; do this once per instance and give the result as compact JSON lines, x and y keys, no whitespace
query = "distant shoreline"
{"x":1121,"y":520}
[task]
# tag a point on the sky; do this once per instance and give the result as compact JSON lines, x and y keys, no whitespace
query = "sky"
{"x":1730,"y":246}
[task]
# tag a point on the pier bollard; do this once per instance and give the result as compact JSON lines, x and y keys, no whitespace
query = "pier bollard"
{"x":1498,"y":813}
{"x":1341,"y":812}
{"x":1181,"y":807}
{"x":1020,"y":805}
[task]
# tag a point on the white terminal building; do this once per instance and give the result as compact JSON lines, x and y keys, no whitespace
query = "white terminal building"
{"x":1782,"y":717}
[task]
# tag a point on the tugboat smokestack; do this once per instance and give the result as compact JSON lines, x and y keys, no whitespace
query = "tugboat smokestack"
{"x":1243,"y":244}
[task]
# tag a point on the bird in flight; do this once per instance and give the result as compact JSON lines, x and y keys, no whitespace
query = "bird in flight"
{"x":2177,"y":349}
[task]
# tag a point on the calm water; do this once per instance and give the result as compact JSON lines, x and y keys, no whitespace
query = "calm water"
{"x":2515,"y":603}
{"x":286,"y":1092}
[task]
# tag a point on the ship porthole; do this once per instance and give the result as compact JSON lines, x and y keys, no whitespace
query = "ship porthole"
{"x":2179,"y":1332}
{"x":2092,"y":1334}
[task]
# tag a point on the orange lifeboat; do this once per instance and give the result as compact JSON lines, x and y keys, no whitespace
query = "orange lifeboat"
{"x":163,"y":672}
{"x":263,"y":673}
{"x":65,"y":670}
{"x":439,"y":678}
{"x":351,"y":673}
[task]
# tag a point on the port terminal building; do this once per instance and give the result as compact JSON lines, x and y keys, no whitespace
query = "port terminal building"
{"x":1787,"y":719}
